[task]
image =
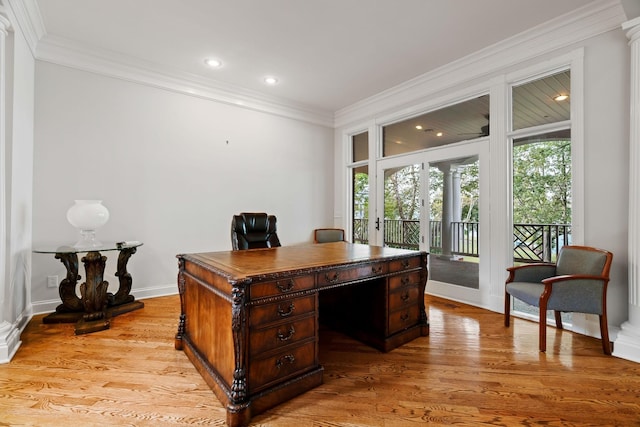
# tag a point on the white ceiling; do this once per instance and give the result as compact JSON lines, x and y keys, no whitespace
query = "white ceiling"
{"x":328,"y":54}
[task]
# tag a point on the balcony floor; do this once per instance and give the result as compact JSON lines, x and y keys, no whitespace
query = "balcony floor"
{"x":457,"y":271}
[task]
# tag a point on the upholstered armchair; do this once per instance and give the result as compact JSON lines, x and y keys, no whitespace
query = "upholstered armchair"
{"x":577,"y":283}
{"x":252,"y":230}
{"x":325,"y":235}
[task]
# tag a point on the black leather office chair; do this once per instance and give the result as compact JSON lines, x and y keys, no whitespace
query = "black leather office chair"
{"x":253,"y":230}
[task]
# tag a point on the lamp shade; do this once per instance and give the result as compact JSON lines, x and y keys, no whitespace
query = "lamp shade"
{"x":87,"y":216}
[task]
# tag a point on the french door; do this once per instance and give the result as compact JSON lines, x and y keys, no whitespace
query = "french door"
{"x":437,"y":201}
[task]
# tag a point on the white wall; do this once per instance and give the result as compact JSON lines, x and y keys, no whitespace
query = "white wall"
{"x":172,"y":170}
{"x":606,"y":144}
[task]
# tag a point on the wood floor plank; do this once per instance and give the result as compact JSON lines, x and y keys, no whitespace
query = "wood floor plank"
{"x":470,"y":371}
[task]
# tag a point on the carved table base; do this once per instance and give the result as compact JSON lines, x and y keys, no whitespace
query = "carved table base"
{"x":95,"y":307}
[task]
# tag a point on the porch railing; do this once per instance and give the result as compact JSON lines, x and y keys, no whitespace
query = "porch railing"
{"x":531,"y":242}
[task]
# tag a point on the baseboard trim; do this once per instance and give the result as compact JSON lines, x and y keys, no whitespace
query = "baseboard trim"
{"x":48,"y":306}
{"x":10,"y":335}
{"x":627,"y":343}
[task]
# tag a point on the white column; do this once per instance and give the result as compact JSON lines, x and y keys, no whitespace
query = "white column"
{"x":447,"y":207}
{"x":627,"y":343}
{"x":455,"y":194}
{"x":456,"y":208}
{"x":451,"y":204}
{"x":9,"y":335}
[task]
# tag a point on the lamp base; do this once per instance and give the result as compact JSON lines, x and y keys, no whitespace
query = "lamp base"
{"x":87,"y":240}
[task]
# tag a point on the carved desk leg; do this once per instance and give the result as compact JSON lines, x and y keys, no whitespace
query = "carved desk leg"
{"x":94,"y":295}
{"x":181,"y":324}
{"x":238,"y":408}
{"x":122,"y":301}
{"x":424,"y":276}
{"x":71,"y":308}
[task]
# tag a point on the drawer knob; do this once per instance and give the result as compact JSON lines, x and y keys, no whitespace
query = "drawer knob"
{"x":404,"y":297}
{"x":405,"y":263}
{"x":404,"y":317}
{"x":332,"y":278}
{"x":376,"y":269}
{"x":285,"y":287}
{"x":405,"y":280}
{"x":287,"y":313}
{"x":283,"y":337}
{"x":289,"y":358}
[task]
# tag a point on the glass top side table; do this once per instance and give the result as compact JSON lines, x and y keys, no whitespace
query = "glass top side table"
{"x":94,"y":308}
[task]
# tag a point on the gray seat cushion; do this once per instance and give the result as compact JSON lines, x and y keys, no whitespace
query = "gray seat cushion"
{"x":526,"y":291}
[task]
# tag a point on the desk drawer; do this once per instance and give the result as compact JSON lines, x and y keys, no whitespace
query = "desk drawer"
{"x":281,"y":310}
{"x":343,"y":275}
{"x":404,"y":318}
{"x":404,"y":264}
{"x":278,"y":367}
{"x":280,"y":287}
{"x":404,"y":280}
{"x":404,"y":298}
{"x":281,"y":335}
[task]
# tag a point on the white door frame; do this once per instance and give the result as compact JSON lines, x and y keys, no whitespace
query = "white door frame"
{"x":478,"y":148}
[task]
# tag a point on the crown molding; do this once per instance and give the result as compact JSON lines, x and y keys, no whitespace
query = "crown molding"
{"x":28,"y":18}
{"x":68,"y":53}
{"x":71,"y":54}
{"x":633,"y":29}
{"x":589,"y":21}
{"x":5,"y":24}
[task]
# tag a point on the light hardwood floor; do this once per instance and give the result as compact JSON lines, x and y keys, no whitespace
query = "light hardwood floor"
{"x":470,"y":371}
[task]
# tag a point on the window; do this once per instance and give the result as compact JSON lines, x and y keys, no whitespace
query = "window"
{"x":448,"y":125}
{"x":360,"y":187}
{"x":542,"y":175}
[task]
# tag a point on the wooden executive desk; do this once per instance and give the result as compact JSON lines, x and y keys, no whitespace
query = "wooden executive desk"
{"x":249,"y":319}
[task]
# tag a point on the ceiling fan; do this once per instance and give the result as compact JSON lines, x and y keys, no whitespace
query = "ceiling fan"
{"x":484,"y":130}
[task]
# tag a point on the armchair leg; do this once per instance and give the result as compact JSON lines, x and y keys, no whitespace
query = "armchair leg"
{"x":542,"y":335}
{"x":604,"y":334}
{"x":544,"y":300}
{"x":558,"y":315}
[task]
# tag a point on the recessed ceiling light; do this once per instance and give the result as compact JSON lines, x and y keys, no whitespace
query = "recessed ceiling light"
{"x":213,"y":63}
{"x":561,"y":97}
{"x":418,"y":127}
{"x":270,"y":80}
{"x":439,"y":134}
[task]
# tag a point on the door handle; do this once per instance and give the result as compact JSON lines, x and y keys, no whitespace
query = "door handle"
{"x":377,"y":223}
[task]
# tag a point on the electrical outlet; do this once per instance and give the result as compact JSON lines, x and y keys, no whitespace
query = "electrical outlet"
{"x":52,"y":281}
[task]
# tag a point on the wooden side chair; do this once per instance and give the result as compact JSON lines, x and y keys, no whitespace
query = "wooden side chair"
{"x":325,"y":235}
{"x":577,"y":283}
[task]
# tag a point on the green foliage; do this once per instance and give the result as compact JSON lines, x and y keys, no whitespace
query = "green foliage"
{"x":542,"y":183}
{"x":435,"y":193}
{"x":541,"y":187}
{"x":469,"y":192}
{"x":360,"y":194}
{"x":402,"y":193}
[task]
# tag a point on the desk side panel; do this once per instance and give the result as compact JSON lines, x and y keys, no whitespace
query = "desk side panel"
{"x":208,"y":324}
